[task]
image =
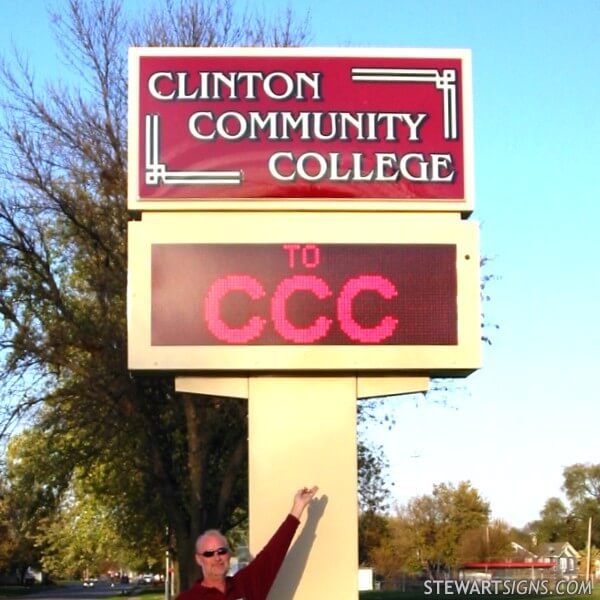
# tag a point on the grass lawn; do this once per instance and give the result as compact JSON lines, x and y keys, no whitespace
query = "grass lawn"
{"x":14,"y":590}
{"x":144,"y":594}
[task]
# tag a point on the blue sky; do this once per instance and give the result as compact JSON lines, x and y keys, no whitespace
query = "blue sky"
{"x":533,"y":408}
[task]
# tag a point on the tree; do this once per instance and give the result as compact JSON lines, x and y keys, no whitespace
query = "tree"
{"x":484,"y":294}
{"x":439,"y":521}
{"x":559,"y":522}
{"x":84,"y":537}
{"x":373,"y":531}
{"x":8,"y":533}
{"x":581,"y":484}
{"x":373,"y":492}
{"x":552,"y":524}
{"x":486,"y":543}
{"x":173,"y":462}
{"x":64,"y":519}
{"x":17,"y":549}
{"x":395,"y":554}
{"x":434,"y":533}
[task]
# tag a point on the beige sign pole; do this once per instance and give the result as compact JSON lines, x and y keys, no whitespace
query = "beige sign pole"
{"x":302,"y":431}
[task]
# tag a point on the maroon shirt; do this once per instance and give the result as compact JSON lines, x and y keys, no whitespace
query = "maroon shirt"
{"x":254,"y":581}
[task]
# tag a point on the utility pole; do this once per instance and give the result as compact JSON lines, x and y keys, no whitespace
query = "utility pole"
{"x":167,"y":575}
{"x":588,"y":569}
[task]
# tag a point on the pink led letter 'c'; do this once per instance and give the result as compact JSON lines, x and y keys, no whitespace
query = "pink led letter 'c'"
{"x":212,"y":309}
{"x":281,"y":323}
{"x":351,"y":289}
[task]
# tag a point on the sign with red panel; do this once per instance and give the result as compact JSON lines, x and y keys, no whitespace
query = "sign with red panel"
{"x":264,"y":291}
{"x":300,"y":128}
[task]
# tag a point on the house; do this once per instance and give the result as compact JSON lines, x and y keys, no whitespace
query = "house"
{"x":563,"y":555}
{"x":558,"y":560}
{"x":520,"y":553}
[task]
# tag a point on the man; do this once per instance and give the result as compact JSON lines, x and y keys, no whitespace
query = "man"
{"x":254,"y":581}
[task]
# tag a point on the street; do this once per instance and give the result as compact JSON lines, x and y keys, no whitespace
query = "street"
{"x":76,"y":591}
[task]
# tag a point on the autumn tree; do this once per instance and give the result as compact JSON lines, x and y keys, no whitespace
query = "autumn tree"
{"x":373,"y":531}
{"x":176,"y":463}
{"x":17,"y":548}
{"x":490,"y":542}
{"x":396,"y":554}
{"x":5,"y":526}
{"x":434,"y":533}
{"x":438,"y":522}
{"x":8,"y":537}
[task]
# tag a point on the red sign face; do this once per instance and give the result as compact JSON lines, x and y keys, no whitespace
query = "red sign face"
{"x":303,"y":294}
{"x":212,"y":125}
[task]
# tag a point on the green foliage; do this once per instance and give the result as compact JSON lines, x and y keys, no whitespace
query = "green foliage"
{"x":484,"y":294}
{"x":431,"y":533}
{"x":560,"y":522}
{"x":396,"y":553}
{"x":486,"y":543}
{"x":103,"y":447}
{"x":77,"y":536}
{"x":552,"y":525}
{"x":582,"y":487}
{"x":373,"y":531}
{"x":17,"y":550}
{"x":440,"y":521}
{"x":373,"y":492}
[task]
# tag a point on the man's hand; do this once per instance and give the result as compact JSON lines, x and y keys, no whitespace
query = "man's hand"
{"x":301,"y":500}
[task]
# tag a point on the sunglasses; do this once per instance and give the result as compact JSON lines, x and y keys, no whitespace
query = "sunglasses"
{"x":219,"y":551}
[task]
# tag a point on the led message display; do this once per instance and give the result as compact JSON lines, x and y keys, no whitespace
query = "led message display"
{"x":300,"y":124}
{"x":270,"y":291}
{"x":303,"y":294}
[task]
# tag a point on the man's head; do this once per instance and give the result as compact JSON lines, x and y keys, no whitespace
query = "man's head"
{"x":213,"y":555}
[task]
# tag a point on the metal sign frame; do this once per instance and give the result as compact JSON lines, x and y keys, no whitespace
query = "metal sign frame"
{"x":385,"y":70}
{"x":281,"y":227}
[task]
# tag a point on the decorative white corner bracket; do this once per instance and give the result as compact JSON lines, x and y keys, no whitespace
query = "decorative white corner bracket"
{"x":444,"y":80}
{"x":157,"y":172}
